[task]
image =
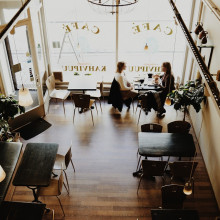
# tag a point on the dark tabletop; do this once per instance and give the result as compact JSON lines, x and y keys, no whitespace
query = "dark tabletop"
{"x":174,"y":214}
{"x":36,"y":165}
{"x":165,"y":144}
{"x":146,"y":87}
{"x":21,"y":210}
{"x":9,"y":154}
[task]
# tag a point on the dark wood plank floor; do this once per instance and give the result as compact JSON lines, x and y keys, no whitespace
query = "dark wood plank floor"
{"x":105,"y":156}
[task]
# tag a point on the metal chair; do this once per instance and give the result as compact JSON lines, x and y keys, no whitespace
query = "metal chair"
{"x":178,"y":127}
{"x":151,"y":127}
{"x":96,"y":94}
{"x":182,"y":171}
{"x":54,"y":189}
{"x":152,"y":168}
{"x":84,"y":102}
{"x":62,"y":163}
{"x":143,"y":103}
{"x":55,"y":93}
{"x":172,"y":196}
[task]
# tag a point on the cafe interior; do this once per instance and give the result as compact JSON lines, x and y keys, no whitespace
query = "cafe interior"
{"x":68,"y":150}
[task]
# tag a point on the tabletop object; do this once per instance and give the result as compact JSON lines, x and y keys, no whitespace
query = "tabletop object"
{"x":165,"y":144}
{"x":21,"y":210}
{"x":9,"y":154}
{"x":36,"y":165}
{"x":174,"y":214}
{"x":145,"y":87}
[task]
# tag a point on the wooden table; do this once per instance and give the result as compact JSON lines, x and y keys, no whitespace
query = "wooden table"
{"x":85,"y":83}
{"x":174,"y":214}
{"x":165,"y":144}
{"x":145,"y":87}
{"x":21,"y":210}
{"x":36,"y":166}
{"x":9,"y":154}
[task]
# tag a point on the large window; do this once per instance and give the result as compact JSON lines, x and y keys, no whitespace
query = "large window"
{"x":83,"y":41}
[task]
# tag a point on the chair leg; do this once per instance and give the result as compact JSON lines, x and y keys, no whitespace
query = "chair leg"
{"x":66,"y":188}
{"x":138,"y":163}
{"x":133,"y":105}
{"x":74,"y":114}
{"x":139,"y":183}
{"x":64,"y":108}
{"x":53,"y":214}
{"x":96,"y":107}
{"x":67,"y":181}
{"x":92,"y":117}
{"x":49,"y":107}
{"x":100,"y":104}
{"x":73,"y":165}
{"x":139,"y":117}
{"x":61,"y":205}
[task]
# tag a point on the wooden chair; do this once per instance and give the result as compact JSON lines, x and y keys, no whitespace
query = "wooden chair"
{"x":84,"y":102}
{"x":152,"y":168}
{"x":182,"y":170}
{"x":96,"y":94}
{"x":58,"y":76}
{"x":62,"y":162}
{"x":178,"y":127}
{"x":54,"y":189}
{"x":172,"y":196}
{"x":151,"y":127}
{"x":55,"y":93}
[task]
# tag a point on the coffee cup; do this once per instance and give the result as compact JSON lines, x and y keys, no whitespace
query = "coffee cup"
{"x":202,"y":34}
{"x":204,"y":40}
{"x":199,"y":28}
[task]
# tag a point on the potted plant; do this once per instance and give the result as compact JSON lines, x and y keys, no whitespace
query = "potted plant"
{"x":192,"y":93}
{"x":9,"y":107}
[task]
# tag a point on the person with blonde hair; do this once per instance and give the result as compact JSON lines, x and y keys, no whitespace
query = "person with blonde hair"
{"x":127,"y":90}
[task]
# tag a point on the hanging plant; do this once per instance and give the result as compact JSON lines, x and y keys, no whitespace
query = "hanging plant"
{"x":192,"y":93}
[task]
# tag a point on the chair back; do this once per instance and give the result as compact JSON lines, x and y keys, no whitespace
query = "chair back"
{"x":50,"y":82}
{"x":58,"y":76}
{"x":172,"y":196}
{"x":68,"y":157}
{"x":153,"y":168}
{"x":144,"y":101}
{"x":182,"y":169}
{"x":151,"y":127}
{"x":178,"y":127}
{"x":81,"y":100}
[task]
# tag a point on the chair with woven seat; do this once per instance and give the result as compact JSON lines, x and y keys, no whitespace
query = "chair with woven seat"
{"x":152,"y":168}
{"x":96,"y":94}
{"x":84,"y":102}
{"x":62,"y":162}
{"x":55,"y":93}
{"x":151,"y":127}
{"x":182,"y":171}
{"x":178,"y":127}
{"x":54,"y":189}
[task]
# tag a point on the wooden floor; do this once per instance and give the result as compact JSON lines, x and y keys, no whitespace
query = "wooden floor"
{"x":105,"y":156}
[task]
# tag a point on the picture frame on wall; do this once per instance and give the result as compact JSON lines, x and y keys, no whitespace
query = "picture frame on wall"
{"x":206,"y":53}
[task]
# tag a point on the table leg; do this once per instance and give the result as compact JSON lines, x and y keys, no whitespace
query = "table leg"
{"x":34,"y":194}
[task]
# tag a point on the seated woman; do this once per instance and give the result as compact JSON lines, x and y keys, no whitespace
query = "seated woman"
{"x":126,"y":88}
{"x":167,"y":84}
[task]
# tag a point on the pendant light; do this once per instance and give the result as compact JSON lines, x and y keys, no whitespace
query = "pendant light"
{"x":146,"y":47}
{"x":188,"y":187}
{"x":24,"y":96}
{"x":2,"y":174}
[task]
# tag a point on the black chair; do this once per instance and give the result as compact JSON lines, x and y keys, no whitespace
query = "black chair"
{"x":182,"y":171}
{"x":178,"y":127}
{"x":152,"y":168}
{"x":172,"y":196}
{"x":151,"y":127}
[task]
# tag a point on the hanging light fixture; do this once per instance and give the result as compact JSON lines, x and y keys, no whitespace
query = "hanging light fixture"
{"x":146,"y":47}
{"x":188,"y":187}
{"x":2,"y":174}
{"x":24,"y":96}
{"x":111,"y":5}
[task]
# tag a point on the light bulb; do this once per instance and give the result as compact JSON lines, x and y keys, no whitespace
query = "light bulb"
{"x":168,"y":101}
{"x":146,"y":47}
{"x":187,"y":190}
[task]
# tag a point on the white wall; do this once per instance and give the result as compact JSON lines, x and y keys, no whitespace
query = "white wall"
{"x":207,"y":122}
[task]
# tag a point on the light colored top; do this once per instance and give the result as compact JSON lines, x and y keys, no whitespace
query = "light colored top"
{"x":123,"y":82}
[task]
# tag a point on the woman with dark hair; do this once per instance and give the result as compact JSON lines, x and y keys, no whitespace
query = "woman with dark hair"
{"x":126,"y":88}
{"x":167,"y":84}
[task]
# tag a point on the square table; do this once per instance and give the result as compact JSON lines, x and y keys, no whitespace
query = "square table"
{"x":165,"y":144}
{"x":9,"y":155}
{"x":82,"y":83}
{"x":36,"y":166}
{"x":174,"y":214}
{"x":146,"y":87}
